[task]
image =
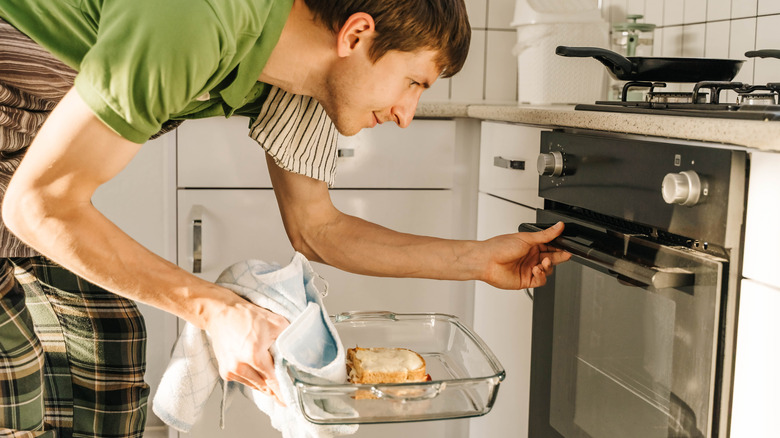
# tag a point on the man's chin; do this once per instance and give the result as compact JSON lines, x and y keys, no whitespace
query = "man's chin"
{"x":347,"y":130}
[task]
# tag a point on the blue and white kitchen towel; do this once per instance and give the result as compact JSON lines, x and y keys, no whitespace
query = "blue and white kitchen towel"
{"x":310,"y":343}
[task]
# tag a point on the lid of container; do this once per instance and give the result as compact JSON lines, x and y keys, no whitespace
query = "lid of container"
{"x":633,"y":25}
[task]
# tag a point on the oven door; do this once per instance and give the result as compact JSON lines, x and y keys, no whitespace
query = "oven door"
{"x":625,"y":337}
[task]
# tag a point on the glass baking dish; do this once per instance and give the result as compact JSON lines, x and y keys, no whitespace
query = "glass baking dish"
{"x":465,"y":374}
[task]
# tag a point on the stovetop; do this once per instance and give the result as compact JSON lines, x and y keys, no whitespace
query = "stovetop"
{"x":753,"y":102}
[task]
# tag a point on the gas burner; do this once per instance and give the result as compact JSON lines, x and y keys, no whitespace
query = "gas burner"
{"x":757,"y":99}
{"x":674,"y":97}
{"x":753,"y":102}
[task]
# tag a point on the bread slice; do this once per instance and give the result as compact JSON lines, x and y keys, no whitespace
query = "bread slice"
{"x":385,"y":365}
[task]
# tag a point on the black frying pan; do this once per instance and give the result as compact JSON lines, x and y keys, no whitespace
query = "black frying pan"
{"x":638,"y":68}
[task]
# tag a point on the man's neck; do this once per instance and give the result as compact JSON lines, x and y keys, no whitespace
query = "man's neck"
{"x":302,"y":55}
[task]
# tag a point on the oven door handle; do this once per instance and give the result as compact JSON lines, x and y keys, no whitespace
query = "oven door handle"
{"x":647,"y":274}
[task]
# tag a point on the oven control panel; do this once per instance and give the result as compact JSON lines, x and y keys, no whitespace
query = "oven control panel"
{"x":682,"y":188}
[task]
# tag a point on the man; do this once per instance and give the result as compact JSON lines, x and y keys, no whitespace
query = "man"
{"x":138,"y":65}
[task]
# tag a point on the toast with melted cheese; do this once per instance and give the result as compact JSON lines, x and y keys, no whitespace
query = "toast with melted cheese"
{"x":384,"y":365}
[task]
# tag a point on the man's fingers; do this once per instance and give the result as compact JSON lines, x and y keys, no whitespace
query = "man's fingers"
{"x":252,"y":382}
{"x":545,"y":235}
{"x":556,"y":257}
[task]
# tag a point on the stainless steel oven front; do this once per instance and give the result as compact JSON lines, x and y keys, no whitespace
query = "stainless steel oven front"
{"x":630,"y":336}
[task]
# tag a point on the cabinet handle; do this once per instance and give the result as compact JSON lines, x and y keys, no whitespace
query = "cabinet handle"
{"x":197,"y":245}
{"x":346,"y":152}
{"x":508,"y":164}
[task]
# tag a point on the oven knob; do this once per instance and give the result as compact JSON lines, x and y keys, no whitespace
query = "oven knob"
{"x":684,"y":188}
{"x":550,"y":164}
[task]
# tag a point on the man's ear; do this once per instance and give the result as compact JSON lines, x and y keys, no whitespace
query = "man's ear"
{"x":357,"y":30}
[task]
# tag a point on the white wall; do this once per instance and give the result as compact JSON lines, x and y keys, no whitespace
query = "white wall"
{"x":691,"y":28}
{"x":490,"y":72}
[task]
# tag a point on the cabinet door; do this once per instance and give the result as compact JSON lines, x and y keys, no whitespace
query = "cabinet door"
{"x":240,"y":224}
{"x":235,"y":225}
{"x":503,"y":319}
{"x":762,"y":234}
{"x":756,"y":380}
{"x":502,"y":146}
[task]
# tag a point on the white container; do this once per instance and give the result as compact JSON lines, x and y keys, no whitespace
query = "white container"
{"x":547,"y":78}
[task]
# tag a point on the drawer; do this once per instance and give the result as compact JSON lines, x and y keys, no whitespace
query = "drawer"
{"x":507,"y":162}
{"x":420,"y":156}
{"x":218,"y":153}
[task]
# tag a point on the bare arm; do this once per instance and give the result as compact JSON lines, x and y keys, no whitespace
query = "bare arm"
{"x":48,"y":205}
{"x":323,"y":233}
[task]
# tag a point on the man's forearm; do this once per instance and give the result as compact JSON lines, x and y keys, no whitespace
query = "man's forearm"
{"x":82,"y":240}
{"x":362,"y":247}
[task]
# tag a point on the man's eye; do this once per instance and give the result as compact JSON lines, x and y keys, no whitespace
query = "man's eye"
{"x":414,"y":83}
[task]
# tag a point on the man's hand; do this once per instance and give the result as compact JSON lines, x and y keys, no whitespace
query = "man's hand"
{"x":522,"y":260}
{"x":241,"y":335}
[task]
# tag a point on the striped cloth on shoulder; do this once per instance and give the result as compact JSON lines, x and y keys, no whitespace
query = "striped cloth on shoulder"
{"x":297,"y":133}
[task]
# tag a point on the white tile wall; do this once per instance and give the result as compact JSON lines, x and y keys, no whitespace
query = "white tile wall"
{"x":500,"y":75}
{"x":695,"y":11}
{"x":693,"y":28}
{"x":744,"y":8}
{"x":674,"y":12}
{"x":694,"y":36}
{"x":716,"y":44}
{"x":469,"y":84}
{"x":768,"y":7}
{"x":718,"y":10}
{"x":768,"y":37}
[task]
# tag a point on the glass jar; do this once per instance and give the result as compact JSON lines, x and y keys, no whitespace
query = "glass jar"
{"x":630,"y":39}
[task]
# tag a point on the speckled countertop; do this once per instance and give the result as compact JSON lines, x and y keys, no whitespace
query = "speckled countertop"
{"x":749,"y":133}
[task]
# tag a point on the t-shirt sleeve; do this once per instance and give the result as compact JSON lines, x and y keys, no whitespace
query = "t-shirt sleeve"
{"x":143,"y":68}
{"x":296,"y":132}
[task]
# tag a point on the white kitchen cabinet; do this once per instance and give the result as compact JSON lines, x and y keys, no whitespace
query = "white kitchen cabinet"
{"x":756,"y":380}
{"x":400,"y":179}
{"x":507,"y":162}
{"x":140,"y":201}
{"x":502,"y":319}
{"x":218,"y":153}
{"x":762,"y":234}
{"x":245,"y":224}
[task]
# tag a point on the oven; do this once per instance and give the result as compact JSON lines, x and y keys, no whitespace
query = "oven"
{"x":633,"y":336}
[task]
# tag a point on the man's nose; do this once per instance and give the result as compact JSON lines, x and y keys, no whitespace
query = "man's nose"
{"x":405,"y":109}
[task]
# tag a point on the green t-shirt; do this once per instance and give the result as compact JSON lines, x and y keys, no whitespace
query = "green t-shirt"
{"x":143,"y":62}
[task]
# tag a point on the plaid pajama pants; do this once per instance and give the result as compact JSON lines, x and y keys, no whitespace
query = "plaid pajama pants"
{"x":71,"y":357}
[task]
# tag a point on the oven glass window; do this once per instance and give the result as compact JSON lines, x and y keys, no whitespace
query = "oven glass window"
{"x":613,"y":358}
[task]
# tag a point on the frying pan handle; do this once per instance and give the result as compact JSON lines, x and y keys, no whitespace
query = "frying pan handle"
{"x":616,"y":62}
{"x":764,"y":53}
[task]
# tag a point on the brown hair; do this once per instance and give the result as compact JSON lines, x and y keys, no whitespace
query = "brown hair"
{"x":407,"y":26}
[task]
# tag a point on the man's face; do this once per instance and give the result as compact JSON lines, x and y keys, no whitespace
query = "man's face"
{"x":360,"y":94}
